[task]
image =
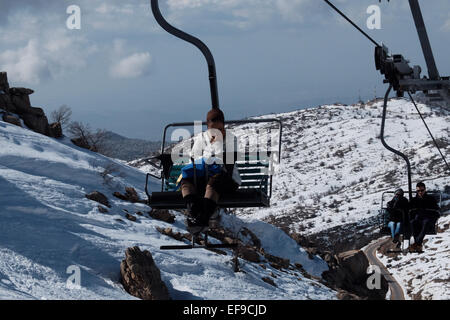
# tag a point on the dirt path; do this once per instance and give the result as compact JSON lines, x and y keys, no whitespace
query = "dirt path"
{"x":370,"y":251}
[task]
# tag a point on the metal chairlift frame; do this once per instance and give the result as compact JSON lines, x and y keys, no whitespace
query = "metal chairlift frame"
{"x":253,"y":197}
{"x":406,"y":227}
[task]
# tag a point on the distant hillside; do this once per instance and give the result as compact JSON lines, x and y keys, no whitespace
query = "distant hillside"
{"x":119,"y":147}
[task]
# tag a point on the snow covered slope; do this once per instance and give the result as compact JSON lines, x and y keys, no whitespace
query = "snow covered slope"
{"x":334,"y":167}
{"x":48,"y":225}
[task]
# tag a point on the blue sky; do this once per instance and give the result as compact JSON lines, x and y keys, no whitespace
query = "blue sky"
{"x":122,"y":72}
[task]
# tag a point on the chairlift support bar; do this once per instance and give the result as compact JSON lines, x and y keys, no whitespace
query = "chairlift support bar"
{"x":196,"y":42}
{"x":383,"y":121}
{"x":433,"y":72}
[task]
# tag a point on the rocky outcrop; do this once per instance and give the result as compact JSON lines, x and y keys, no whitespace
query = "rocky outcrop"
{"x":11,"y":119}
{"x":162,"y":215}
{"x":17,"y":101}
{"x":141,"y":277}
{"x":130,"y":195}
{"x":98,"y":197}
{"x":348,"y":271}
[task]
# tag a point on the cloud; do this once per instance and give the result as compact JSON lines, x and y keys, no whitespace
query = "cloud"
{"x":48,"y":56}
{"x":134,"y":66}
{"x":25,"y":64}
{"x":35,"y":49}
{"x":446,"y":26}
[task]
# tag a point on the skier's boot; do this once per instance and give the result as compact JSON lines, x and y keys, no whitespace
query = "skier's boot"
{"x":194,"y":208}
{"x":208,"y":212}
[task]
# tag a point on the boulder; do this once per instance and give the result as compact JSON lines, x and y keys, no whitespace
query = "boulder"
{"x":163,"y":215}
{"x":20,"y":91}
{"x":4,"y":85}
{"x":277,"y":262}
{"x":36,"y":122}
{"x":11,"y":119}
{"x":98,"y":197}
{"x":21,"y":103}
{"x":355,"y":261}
{"x":349,"y":273}
{"x":102,"y":209}
{"x":255,"y":240}
{"x":118,"y":194}
{"x":269,"y":281}
{"x":130,"y":217}
{"x":130,"y":195}
{"x":141,"y":277}
{"x":56,"y":130}
{"x":249,"y":254}
{"x":6,"y":103}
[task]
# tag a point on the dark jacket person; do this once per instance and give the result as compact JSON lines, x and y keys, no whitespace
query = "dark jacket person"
{"x":425,"y":212}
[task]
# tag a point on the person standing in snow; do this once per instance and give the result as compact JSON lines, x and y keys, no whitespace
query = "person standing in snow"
{"x":214,"y":176}
{"x":425,"y":210}
{"x":398,"y":209}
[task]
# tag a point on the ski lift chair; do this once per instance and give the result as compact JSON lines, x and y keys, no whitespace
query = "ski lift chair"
{"x":254,"y":169}
{"x":405,"y":229}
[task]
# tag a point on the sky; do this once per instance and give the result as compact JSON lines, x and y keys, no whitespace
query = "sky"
{"x":121,"y":72}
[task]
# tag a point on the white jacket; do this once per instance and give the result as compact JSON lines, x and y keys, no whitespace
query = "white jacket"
{"x":214,"y":151}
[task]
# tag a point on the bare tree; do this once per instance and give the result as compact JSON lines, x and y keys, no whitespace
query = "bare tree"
{"x":62,"y":115}
{"x":85,"y":137}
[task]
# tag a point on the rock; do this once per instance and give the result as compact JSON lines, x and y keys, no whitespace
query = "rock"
{"x":130,"y":217}
{"x":119,"y":196}
{"x":354,"y":261}
{"x":6,"y":103}
{"x":350,"y":274}
{"x":102,"y":209}
{"x":37,"y":122}
{"x":344,"y":295}
{"x":269,"y":281}
{"x":4,"y":85}
{"x":141,"y":277}
{"x":249,"y":254}
{"x":21,"y":103}
{"x":131,"y":194}
{"x":163,"y":215}
{"x":56,"y":130}
{"x":177,"y":236}
{"x":255,"y":240}
{"x":98,"y":197}
{"x":20,"y":91}
{"x":277,"y":261}
{"x":11,"y":119}
{"x":312,"y":251}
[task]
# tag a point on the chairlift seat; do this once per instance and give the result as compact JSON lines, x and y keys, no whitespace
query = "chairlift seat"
{"x":254,"y":169}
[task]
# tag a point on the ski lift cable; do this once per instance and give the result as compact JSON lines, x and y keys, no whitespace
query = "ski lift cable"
{"x":429,"y":131}
{"x":352,"y":23}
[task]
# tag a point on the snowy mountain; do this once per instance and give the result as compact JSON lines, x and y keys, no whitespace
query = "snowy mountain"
{"x":424,"y":276}
{"x":334,"y":168}
{"x":49,"y":229}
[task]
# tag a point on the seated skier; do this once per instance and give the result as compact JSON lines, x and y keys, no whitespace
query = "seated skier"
{"x":425,"y":211}
{"x":398,"y":209}
{"x":214,"y":175}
